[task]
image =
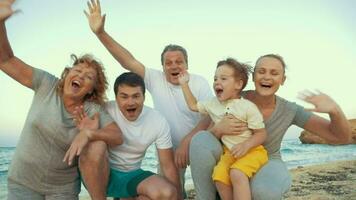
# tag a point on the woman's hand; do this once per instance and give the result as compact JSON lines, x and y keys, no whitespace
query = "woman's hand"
{"x":229,"y":125}
{"x":6,"y":9}
{"x":96,"y":20}
{"x":86,"y":126}
{"x":322,"y":102}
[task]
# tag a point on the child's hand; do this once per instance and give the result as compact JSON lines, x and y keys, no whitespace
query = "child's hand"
{"x":240,"y":150}
{"x":183,"y":77}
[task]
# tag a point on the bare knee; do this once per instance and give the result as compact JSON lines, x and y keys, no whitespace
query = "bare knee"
{"x":237,"y":176}
{"x":95,"y":153}
{"x":168,"y":192}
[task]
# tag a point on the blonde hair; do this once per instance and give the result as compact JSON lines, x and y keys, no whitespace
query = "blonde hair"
{"x":101,"y":84}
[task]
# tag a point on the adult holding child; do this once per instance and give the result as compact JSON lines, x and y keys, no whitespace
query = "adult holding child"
{"x":273,"y":179}
{"x":243,"y":155}
{"x":164,"y":87}
{"x":50,"y":136}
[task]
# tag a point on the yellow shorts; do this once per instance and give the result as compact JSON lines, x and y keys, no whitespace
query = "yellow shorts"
{"x":249,"y":164}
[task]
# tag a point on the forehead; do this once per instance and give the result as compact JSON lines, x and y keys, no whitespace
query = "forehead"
{"x":269,"y":63}
{"x":129,"y":90}
{"x":224,"y":70}
{"x":85,"y":67}
{"x":172,"y":55}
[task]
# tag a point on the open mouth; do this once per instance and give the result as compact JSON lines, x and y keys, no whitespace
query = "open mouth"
{"x":131,"y":110}
{"x":76,"y":84}
{"x":266,"y":85}
{"x":175,"y":74}
{"x":219,"y":91}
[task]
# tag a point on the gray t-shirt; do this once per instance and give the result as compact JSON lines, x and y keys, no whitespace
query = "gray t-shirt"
{"x":45,"y":138}
{"x":284,"y":115}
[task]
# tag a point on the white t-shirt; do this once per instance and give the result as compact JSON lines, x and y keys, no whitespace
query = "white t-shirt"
{"x":168,"y":99}
{"x":150,"y":127}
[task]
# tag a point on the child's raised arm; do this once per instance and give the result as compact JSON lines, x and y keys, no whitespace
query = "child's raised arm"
{"x":188,"y":95}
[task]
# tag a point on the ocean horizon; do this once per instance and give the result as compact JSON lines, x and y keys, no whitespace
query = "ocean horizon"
{"x":293,"y":152}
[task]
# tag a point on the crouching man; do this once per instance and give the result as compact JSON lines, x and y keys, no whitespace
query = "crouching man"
{"x":141,"y":126}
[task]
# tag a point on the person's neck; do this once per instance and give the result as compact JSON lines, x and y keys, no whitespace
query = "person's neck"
{"x":264,"y":101}
{"x":71,"y":104}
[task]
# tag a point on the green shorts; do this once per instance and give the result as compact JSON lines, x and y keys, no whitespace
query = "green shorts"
{"x":124,"y":184}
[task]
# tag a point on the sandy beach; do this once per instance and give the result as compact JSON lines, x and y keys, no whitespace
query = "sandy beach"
{"x":336,"y":180}
{"x":329,"y":181}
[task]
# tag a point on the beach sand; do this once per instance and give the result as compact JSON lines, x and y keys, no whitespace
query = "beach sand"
{"x":329,"y":181}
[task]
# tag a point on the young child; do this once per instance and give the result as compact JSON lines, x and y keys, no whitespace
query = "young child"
{"x":243,"y":155}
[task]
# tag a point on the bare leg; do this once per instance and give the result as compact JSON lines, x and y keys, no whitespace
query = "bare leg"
{"x":225,"y":191}
{"x":157,"y":188}
{"x":241,"y":185}
{"x":94,"y":169}
{"x":141,"y":197}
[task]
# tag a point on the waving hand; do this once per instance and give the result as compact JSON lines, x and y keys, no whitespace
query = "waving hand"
{"x":96,"y":20}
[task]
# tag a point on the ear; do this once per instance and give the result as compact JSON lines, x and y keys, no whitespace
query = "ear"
{"x":238,"y":84}
{"x":283,"y":79}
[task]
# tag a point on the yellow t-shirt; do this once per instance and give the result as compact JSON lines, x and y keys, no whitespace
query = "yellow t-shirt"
{"x":242,"y":109}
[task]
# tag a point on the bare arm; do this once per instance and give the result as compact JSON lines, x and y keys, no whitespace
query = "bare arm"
{"x":257,"y":138}
{"x":89,"y":131}
{"x":188,"y":95}
{"x":229,"y":125}
{"x":122,"y":55}
{"x":168,"y":168}
{"x":9,"y":64}
{"x":181,"y":154}
{"x":335,"y":131}
{"x":110,"y":134}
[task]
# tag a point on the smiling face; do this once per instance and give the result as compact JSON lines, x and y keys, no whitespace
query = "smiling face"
{"x":268,"y":76}
{"x":79,"y":81}
{"x":130,"y":101}
{"x":173,"y":64}
{"x":226,"y":84}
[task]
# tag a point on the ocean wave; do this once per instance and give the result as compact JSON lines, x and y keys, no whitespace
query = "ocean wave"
{"x":3,"y":172}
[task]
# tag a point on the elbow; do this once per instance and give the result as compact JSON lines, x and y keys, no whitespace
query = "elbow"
{"x":117,"y":141}
{"x":346,"y":137}
{"x":6,"y":58}
{"x":341,"y":140}
{"x":345,"y":140}
{"x":193,"y":108}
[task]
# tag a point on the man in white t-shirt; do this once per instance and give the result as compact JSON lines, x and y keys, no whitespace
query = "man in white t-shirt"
{"x":163,"y":85}
{"x":141,"y":126}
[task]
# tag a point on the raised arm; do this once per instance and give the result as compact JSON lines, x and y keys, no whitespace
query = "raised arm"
{"x":122,"y":55}
{"x":9,"y":64}
{"x":335,"y":131}
{"x":188,"y":95}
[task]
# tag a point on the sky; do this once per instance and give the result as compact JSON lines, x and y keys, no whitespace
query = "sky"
{"x":316,"y":39}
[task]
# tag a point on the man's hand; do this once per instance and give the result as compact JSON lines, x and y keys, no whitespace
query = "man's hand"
{"x":96,"y":20}
{"x":181,"y":157}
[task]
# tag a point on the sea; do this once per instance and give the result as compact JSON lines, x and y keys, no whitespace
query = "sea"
{"x":294,"y":153}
